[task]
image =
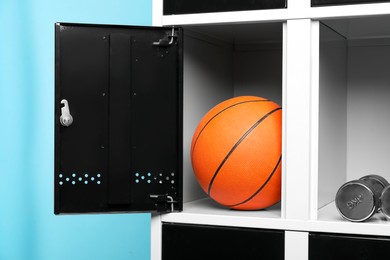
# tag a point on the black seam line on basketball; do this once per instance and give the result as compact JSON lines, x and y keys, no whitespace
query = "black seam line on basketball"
{"x":262,"y":186}
{"x":236,"y":104}
{"x":237,"y":144}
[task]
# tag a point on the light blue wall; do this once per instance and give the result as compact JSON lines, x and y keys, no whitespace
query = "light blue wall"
{"x":28,"y":227}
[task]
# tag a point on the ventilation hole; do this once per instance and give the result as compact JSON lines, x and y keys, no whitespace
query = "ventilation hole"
{"x":61,"y":183}
{"x":67,"y":179}
{"x":86,"y":175}
{"x":80,"y":179}
{"x":73,"y":182}
{"x":60,"y":175}
{"x":143,"y":177}
{"x":160,"y":182}
{"x":172,"y":181}
{"x":149,"y":174}
{"x":98,"y":175}
{"x":136,"y":174}
{"x":98,"y":182}
{"x":149,"y":181}
{"x":172,"y":174}
{"x":167,"y":178}
{"x":136,"y":181}
{"x":74,"y":175}
{"x":85,"y":182}
{"x":92,"y":178}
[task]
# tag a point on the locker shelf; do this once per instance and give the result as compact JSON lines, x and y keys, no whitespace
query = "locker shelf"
{"x":207,"y":212}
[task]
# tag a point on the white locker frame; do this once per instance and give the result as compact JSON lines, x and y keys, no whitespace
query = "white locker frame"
{"x":301,"y":210}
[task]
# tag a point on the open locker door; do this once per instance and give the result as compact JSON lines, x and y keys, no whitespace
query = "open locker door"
{"x":118,"y":119}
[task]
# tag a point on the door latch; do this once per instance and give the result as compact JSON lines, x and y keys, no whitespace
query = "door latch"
{"x":66,"y":118}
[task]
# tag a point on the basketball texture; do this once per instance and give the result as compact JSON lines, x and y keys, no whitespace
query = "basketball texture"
{"x":236,"y":153}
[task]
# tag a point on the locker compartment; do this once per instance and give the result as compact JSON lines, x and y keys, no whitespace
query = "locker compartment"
{"x":184,"y":241}
{"x":204,"y":6}
{"x":124,"y":92}
{"x":221,"y":62}
{"x":354,"y":100}
{"x":324,"y":246}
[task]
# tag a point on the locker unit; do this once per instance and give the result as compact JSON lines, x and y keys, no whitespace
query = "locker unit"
{"x":326,"y":64}
{"x":332,"y":87}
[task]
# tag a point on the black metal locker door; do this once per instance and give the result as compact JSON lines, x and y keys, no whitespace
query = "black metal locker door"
{"x":324,"y":246}
{"x":203,"y":242}
{"x":343,"y":2}
{"x":207,"y":6}
{"x":118,"y":119}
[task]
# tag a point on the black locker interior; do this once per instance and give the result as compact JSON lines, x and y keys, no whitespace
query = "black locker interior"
{"x":123,"y":151}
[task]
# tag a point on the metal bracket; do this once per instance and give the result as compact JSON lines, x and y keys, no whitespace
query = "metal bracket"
{"x":167,"y":41}
{"x":163,"y":201}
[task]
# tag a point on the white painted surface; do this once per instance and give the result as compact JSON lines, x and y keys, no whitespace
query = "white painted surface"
{"x":157,"y":12}
{"x":314,"y":118}
{"x":329,"y":220}
{"x":284,"y":116}
{"x":155,"y":237}
{"x":368,"y":110}
{"x":208,"y":80}
{"x":297,"y":119}
{"x":296,"y":245}
{"x":259,"y":72}
{"x":332,"y":165}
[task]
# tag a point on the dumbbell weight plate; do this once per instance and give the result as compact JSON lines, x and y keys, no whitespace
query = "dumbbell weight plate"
{"x":385,"y":202}
{"x":378,"y":183}
{"x":357,"y":200}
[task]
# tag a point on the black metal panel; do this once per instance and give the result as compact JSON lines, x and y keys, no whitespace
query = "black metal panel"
{"x":207,"y":6}
{"x":194,"y":242}
{"x":343,"y":2}
{"x":125,"y":95}
{"x":119,"y":149}
{"x":340,"y":247}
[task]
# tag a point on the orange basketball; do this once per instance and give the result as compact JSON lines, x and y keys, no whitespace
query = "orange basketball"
{"x":236,"y":153}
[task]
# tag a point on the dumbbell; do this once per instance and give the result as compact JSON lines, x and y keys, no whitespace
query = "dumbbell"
{"x":358,"y":200}
{"x":385,"y":202}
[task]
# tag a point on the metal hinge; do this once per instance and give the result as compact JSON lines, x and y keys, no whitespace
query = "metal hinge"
{"x":164,"y":202}
{"x":168,"y":40}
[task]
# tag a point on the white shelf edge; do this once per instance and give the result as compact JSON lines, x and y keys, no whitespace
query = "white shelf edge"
{"x":279,"y":15}
{"x":226,"y":17}
{"x":345,"y":11}
{"x":331,"y":223}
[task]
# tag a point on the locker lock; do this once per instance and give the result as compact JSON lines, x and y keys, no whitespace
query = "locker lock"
{"x":66,"y":118}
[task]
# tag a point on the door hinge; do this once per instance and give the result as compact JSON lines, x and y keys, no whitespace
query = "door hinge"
{"x":168,"y":40}
{"x":164,"y":202}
